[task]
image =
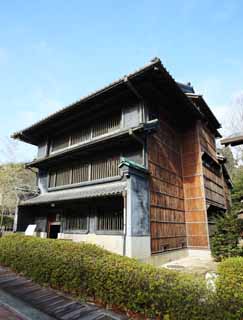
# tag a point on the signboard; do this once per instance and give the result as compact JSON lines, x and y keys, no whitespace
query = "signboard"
{"x":30,"y":230}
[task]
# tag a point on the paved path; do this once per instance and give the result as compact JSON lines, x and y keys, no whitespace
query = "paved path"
{"x":47,"y":301}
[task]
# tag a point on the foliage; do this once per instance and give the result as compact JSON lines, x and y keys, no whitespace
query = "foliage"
{"x":88,"y":271}
{"x":237,"y":192}
{"x":230,"y":287}
{"x":8,"y":221}
{"x":224,"y":242}
{"x":13,"y":175}
{"x":230,"y":161}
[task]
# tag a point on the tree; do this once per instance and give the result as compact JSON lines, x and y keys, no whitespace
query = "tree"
{"x":230,"y":160}
{"x":12,"y":176}
{"x":234,"y":123}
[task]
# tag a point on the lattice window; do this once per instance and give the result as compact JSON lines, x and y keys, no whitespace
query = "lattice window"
{"x":60,"y":143}
{"x":80,"y":136}
{"x":80,"y":173}
{"x":106,"y":125}
{"x":108,"y":220}
{"x":52,"y":179}
{"x":76,"y":222}
{"x":105,"y":168}
{"x":96,"y":170}
{"x":63,"y":177}
{"x":103,"y":126}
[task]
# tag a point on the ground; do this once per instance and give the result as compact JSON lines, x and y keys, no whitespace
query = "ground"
{"x":7,"y":314}
{"x":22,"y":299}
{"x":199,"y":266}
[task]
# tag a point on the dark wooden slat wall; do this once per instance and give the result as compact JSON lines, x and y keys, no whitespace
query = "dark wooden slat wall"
{"x":167,"y":215}
{"x":213,"y":183}
{"x":227,"y":195}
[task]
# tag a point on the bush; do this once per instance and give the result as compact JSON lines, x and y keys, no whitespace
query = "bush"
{"x":224,"y":242}
{"x":88,"y":271}
{"x":8,"y":221}
{"x":230,"y":287}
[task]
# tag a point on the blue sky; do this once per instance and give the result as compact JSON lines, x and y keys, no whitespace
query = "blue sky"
{"x":54,"y":52}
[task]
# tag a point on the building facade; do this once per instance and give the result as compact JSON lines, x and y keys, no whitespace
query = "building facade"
{"x":132,"y":167}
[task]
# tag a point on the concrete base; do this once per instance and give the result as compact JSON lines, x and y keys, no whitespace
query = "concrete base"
{"x":159,"y":259}
{"x":113,"y":243}
{"x":40,"y":234}
{"x":138,"y":247}
{"x":135,"y":247}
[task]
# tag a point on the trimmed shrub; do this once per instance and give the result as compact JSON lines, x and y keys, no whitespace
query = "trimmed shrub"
{"x":230,"y":287}
{"x":90,"y":272}
{"x":224,"y":242}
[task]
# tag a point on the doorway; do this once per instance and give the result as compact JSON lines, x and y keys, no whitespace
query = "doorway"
{"x":54,"y":230}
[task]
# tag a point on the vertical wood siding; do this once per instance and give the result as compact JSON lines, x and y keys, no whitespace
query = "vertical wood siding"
{"x":195,"y":204}
{"x":167,"y":216}
{"x":213,"y":177}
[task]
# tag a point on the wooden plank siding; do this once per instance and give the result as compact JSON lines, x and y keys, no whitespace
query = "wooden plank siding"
{"x":167,"y":215}
{"x":195,"y":204}
{"x":213,"y":178}
{"x":183,"y":185}
{"x":227,"y":195}
{"x":207,"y":141}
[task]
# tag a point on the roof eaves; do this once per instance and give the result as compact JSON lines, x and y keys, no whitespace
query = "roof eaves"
{"x":200,"y":97}
{"x":233,"y":140}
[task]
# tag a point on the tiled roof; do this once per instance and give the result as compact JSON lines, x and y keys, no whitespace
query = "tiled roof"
{"x":94,"y":191}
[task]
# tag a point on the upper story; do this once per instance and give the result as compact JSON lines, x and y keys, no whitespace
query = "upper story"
{"x":84,"y":142}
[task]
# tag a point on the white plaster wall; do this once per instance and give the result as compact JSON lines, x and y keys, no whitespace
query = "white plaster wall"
{"x":113,"y":243}
{"x":138,"y":247}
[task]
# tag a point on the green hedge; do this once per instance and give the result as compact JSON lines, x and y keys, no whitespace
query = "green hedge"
{"x":224,"y":242}
{"x":90,"y":272}
{"x":230,"y":287}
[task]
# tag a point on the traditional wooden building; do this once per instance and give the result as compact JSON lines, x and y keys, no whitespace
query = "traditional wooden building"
{"x":132,"y":167}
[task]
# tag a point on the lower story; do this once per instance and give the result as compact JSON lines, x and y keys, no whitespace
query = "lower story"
{"x":119,"y":216}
